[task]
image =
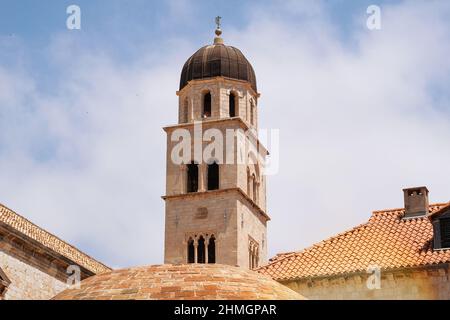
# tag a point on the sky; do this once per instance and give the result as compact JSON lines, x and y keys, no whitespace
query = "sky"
{"x":362,"y":113}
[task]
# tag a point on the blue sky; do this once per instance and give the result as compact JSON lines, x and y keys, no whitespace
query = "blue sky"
{"x":361,"y":113}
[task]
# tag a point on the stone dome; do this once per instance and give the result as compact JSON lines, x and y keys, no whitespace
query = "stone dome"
{"x":178,"y":282}
{"x":218,"y":60}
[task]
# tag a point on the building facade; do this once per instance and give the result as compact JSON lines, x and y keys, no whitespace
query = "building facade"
{"x":215,"y":188}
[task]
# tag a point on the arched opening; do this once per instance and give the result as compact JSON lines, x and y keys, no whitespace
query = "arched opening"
{"x":185,"y":117}
{"x":249,"y":183}
{"x":212,"y":250}
{"x":213,"y":176}
{"x":232,"y":105}
{"x":201,"y":250}
{"x":207,"y":105}
{"x":255,"y":186}
{"x":252,"y":113}
{"x":192,"y":177}
{"x":190,"y":251}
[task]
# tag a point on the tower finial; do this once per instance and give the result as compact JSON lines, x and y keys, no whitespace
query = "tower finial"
{"x":218,"y":39}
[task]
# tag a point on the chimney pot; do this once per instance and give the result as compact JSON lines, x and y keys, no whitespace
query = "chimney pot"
{"x":416,"y":202}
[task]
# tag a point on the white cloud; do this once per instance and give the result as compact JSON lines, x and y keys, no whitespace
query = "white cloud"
{"x":358,"y":122}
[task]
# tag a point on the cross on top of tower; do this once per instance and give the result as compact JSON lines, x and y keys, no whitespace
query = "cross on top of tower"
{"x":218,"y":18}
{"x":218,"y":39}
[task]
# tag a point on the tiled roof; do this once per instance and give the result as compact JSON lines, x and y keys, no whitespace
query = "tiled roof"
{"x":180,"y":282}
{"x":386,"y":240}
{"x":30,"y":230}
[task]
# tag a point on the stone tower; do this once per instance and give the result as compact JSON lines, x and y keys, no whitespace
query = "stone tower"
{"x":215,"y":188}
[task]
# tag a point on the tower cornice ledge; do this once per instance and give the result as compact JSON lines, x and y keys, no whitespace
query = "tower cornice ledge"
{"x":219,"y":80}
{"x":218,"y":191}
{"x":213,"y":122}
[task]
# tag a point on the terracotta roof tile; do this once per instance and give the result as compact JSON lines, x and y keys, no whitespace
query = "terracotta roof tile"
{"x":30,"y":230}
{"x":386,"y":240}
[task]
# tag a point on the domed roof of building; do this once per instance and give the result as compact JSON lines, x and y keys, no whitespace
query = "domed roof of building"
{"x":178,"y":282}
{"x":218,"y":60}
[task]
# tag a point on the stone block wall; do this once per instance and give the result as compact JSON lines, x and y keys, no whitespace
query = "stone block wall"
{"x":407,"y":284}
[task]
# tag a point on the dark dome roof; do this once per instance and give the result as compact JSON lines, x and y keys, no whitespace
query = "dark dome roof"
{"x":218,"y":60}
{"x":177,"y":282}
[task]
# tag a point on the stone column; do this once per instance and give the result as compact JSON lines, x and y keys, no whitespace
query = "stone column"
{"x":195,"y":250}
{"x":206,"y":249}
{"x":201,"y":177}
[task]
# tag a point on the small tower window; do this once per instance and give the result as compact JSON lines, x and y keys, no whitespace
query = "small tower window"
{"x":201,"y":250}
{"x":207,"y":105}
{"x":252,"y":113}
{"x":192,"y":177}
{"x":255,"y":187}
{"x":232,"y":105}
{"x":249,"y":183}
{"x":445,"y":232}
{"x":253,"y":254}
{"x":191,"y":251}
{"x":212,"y":250}
{"x":213,"y":176}
{"x":186,"y":111}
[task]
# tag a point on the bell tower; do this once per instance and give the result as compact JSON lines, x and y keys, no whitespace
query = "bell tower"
{"x":215,"y":202}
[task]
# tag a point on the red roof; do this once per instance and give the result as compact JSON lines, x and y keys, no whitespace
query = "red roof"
{"x":386,"y":240}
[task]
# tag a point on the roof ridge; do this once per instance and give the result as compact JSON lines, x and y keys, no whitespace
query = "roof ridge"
{"x":438,"y":204}
{"x":51,"y":235}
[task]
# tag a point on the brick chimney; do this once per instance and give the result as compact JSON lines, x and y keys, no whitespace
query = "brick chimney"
{"x":416,"y":202}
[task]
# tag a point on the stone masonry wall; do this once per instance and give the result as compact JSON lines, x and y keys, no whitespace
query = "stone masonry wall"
{"x":431,"y":284}
{"x":28,"y":282}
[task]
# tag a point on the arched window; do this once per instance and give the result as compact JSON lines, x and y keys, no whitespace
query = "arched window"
{"x":232,"y":105}
{"x":213,"y":176}
{"x":212,"y":250}
{"x":252,"y":113}
{"x":207,"y":105}
{"x":249,"y":183}
{"x":190,"y":251}
{"x":186,"y":111}
{"x":192,"y":177}
{"x":253,"y":254}
{"x":201,"y":250}
{"x":255,"y":187}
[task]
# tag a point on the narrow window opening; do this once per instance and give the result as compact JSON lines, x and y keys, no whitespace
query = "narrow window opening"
{"x":201,"y":250}
{"x":213,"y":176}
{"x":212,"y":250}
{"x":207,"y":105}
{"x":186,"y":111}
{"x":252,"y":113}
{"x":255,"y":186}
{"x":192,"y":177}
{"x":191,"y":251}
{"x":232,"y":103}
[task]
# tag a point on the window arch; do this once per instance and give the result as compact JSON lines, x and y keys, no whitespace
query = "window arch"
{"x":190,"y":251}
{"x":212,"y":249}
{"x":252,"y":112}
{"x":253,"y":254}
{"x":192,"y":177}
{"x":232,"y":105}
{"x":201,"y":250}
{"x":185,"y":113}
{"x":206,"y":105}
{"x":213,"y":176}
{"x":255,"y":187}
{"x":249,"y":182}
